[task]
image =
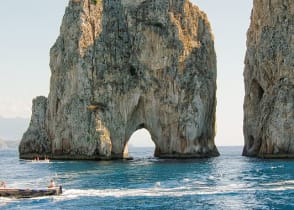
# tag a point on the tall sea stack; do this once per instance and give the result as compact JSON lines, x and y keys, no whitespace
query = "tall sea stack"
{"x":269,"y":80}
{"x":121,"y":65}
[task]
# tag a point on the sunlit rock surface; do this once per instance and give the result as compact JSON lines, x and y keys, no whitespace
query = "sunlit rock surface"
{"x":269,"y":80}
{"x":122,"y":65}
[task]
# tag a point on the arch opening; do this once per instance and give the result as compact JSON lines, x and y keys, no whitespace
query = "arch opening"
{"x":140,"y":144}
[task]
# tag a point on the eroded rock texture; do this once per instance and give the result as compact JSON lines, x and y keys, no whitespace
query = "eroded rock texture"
{"x":122,"y":65}
{"x":35,"y":140}
{"x":269,"y":80}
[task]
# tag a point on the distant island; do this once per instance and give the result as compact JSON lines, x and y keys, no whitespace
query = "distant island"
{"x":13,"y":128}
{"x":3,"y":144}
{"x":8,"y":144}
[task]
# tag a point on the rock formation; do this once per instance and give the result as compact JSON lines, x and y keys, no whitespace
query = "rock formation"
{"x":35,"y":140}
{"x":122,"y":65}
{"x":269,"y":80}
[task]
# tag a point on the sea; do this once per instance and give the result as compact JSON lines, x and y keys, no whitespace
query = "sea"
{"x":229,"y":181}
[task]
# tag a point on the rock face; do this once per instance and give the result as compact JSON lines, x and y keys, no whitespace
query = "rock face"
{"x":35,"y":140}
{"x":122,"y":65}
{"x":269,"y":80}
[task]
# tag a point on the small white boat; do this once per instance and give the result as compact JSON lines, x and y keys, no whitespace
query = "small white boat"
{"x":41,"y":161}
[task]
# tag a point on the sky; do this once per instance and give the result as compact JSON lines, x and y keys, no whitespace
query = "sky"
{"x":29,"y":29}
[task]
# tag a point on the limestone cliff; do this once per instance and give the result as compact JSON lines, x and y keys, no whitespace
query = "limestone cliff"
{"x":35,"y":140}
{"x":269,"y":80}
{"x":122,"y":65}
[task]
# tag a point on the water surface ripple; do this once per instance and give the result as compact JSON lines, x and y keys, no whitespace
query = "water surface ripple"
{"x":226,"y":182}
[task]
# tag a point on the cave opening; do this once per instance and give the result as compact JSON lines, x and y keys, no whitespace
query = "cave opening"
{"x":140,"y":144}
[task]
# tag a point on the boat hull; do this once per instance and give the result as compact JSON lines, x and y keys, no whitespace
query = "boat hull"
{"x":30,"y":193}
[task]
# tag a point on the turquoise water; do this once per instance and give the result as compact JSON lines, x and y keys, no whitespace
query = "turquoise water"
{"x":226,"y":182}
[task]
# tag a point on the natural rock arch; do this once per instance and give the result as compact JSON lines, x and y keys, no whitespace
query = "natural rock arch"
{"x":119,"y":65}
{"x":141,"y":139}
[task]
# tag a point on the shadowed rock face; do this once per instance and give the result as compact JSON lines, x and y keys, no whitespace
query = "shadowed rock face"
{"x":269,"y":80}
{"x":122,"y":65}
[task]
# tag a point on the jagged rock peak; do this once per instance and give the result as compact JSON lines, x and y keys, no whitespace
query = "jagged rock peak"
{"x":269,"y":80}
{"x":121,"y":65}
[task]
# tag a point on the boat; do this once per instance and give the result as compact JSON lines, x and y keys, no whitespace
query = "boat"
{"x":38,"y":160}
{"x":30,"y":193}
{"x":41,"y":161}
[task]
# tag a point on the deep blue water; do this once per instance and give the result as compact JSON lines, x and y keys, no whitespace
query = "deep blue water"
{"x":226,"y":182}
